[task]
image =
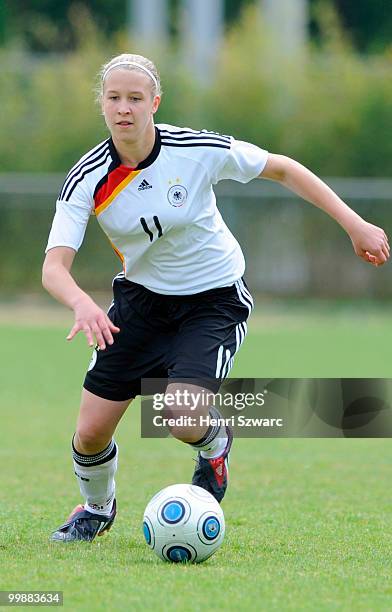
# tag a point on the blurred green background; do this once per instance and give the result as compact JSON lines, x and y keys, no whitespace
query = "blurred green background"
{"x":331,"y":109}
{"x":327,"y":104}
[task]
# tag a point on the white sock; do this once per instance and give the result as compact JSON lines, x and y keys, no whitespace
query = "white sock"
{"x":95,"y":474}
{"x":216,"y":447}
{"x":214,"y":441}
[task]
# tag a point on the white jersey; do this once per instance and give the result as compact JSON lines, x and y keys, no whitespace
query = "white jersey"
{"x":161,"y":218}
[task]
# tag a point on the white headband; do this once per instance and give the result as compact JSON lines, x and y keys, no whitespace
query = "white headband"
{"x":126,"y":63}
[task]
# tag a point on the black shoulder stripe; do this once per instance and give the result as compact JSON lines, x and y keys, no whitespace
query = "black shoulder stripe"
{"x":80,"y":178}
{"x":196,"y":136}
{"x":95,"y":153}
{"x":217,"y":134}
{"x":194,"y":133}
{"x":203,"y":137}
{"x":187,"y":131}
{"x":89,"y":154}
{"x":75,"y":175}
{"x":195,"y":144}
{"x":86,"y":157}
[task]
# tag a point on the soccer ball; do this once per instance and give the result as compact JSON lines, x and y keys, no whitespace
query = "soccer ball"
{"x":184,"y":523}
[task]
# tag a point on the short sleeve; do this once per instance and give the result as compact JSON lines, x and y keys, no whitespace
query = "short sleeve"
{"x":242,"y":162}
{"x":71,"y":218}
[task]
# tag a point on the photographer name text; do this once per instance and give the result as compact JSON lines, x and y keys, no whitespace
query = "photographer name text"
{"x":199,"y":421}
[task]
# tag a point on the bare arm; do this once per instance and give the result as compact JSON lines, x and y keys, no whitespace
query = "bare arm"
{"x":369,"y":241}
{"x":89,"y":317}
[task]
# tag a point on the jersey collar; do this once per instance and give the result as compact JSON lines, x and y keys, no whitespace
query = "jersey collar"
{"x":146,"y":162}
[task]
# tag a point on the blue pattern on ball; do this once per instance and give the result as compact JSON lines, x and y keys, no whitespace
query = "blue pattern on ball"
{"x":177,"y":554}
{"x":173,"y":512}
{"x":211,"y":528}
{"x":147,"y":533}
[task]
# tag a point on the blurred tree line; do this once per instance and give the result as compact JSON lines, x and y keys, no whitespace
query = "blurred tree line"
{"x":45,"y":24}
{"x":332,"y":111}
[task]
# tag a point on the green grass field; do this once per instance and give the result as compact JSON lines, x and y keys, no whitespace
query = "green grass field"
{"x":309,"y":521}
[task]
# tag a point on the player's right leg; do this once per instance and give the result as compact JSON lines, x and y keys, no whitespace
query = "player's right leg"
{"x":110,"y":384}
{"x":95,"y":463}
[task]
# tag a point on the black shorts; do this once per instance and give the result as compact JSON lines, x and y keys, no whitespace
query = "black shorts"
{"x":174,"y":337}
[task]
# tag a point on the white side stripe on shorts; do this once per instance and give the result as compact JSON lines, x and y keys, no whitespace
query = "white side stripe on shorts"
{"x":230,"y":365}
{"x":223,"y":369}
{"x":237,"y":338}
{"x":240,"y":331}
{"x":243,"y":295}
{"x":245,"y":291}
{"x":219,"y":362}
{"x":228,"y":355}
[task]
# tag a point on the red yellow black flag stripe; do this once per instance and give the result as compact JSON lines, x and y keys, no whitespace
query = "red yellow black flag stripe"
{"x":118,"y":179}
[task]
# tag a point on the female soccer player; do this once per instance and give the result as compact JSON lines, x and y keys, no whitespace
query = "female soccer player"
{"x":180,"y":304}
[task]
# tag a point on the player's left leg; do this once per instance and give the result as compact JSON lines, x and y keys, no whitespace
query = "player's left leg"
{"x":211,"y":331}
{"x":198,"y":423}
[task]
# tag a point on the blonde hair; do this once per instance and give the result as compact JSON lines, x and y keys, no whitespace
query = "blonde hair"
{"x":130,"y":61}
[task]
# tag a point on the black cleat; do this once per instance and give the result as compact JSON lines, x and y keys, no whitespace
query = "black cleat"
{"x":84,"y":525}
{"x":212,"y":474}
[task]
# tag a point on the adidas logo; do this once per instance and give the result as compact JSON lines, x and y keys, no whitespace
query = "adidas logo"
{"x":144,"y":185}
{"x":219,"y":470}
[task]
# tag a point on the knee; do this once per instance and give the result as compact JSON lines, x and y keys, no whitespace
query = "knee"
{"x":89,"y":441}
{"x":185,"y":424}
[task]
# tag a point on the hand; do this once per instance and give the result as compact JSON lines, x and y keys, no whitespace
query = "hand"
{"x":370,"y":243}
{"x":93,"y":321}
